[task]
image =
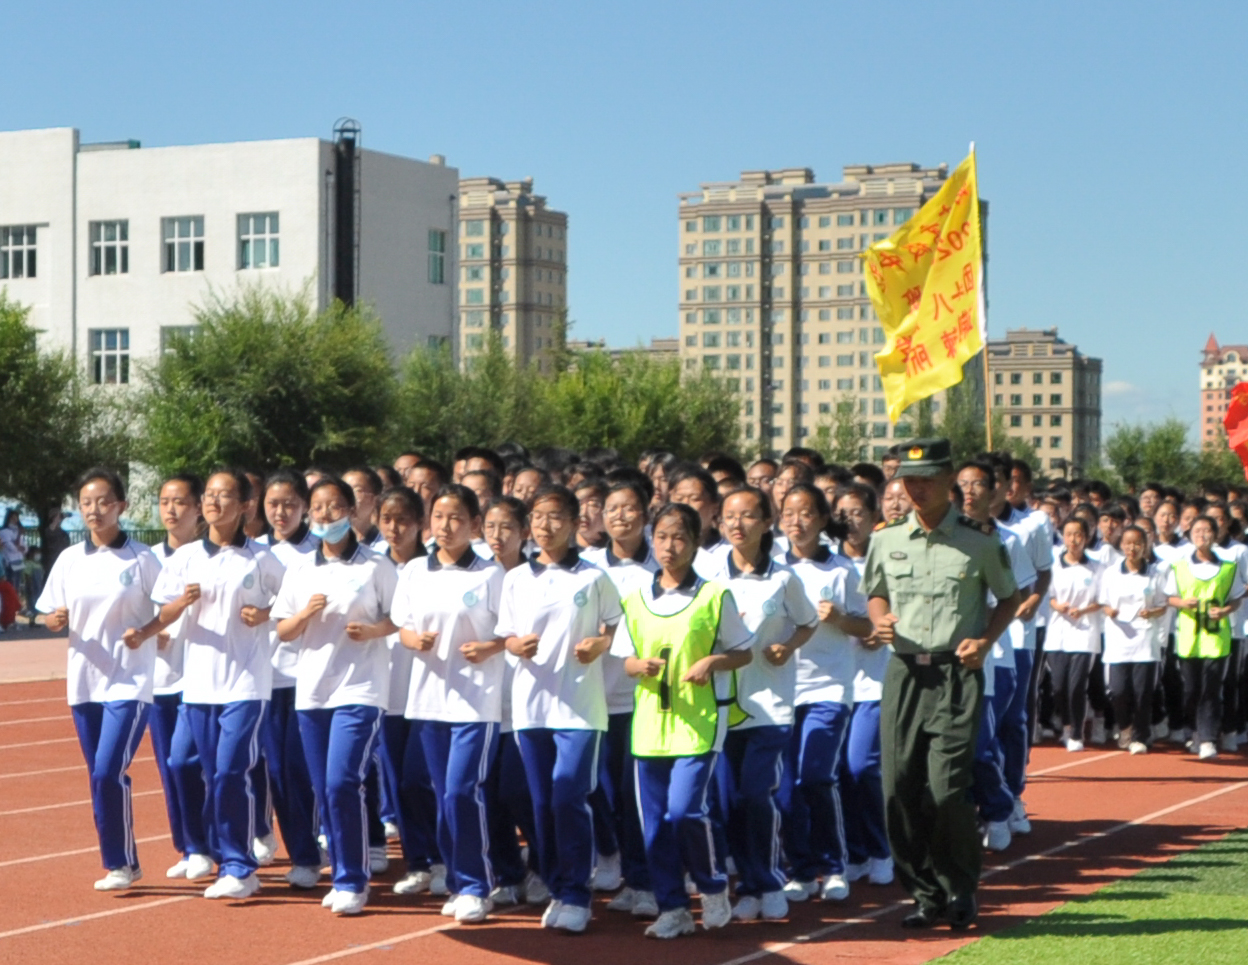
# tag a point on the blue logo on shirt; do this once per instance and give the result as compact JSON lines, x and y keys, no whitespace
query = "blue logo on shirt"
{"x":769,"y":608}
{"x":126,"y":577}
{"x":470,"y":599}
{"x":581,"y":598}
{"x":826,"y":594}
{"x":249,"y":581}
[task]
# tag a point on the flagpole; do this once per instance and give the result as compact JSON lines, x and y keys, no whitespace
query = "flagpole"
{"x":983,"y":314}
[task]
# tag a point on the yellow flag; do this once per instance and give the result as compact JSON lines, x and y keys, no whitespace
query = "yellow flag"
{"x":925,"y":282}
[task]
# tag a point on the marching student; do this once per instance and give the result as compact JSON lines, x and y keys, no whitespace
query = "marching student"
{"x":223,"y":586}
{"x":99,"y":590}
{"x":629,"y":562}
{"x":694,"y":486}
{"x":366,"y":485}
{"x":553,"y":614}
{"x":1134,"y":598}
{"x":775,"y":609}
{"x":285,"y":503}
{"x":507,"y":801}
{"x":862,"y":780}
{"x":335,"y":603}
{"x":591,"y":530}
{"x":1229,"y":546}
{"x":179,"y":503}
{"x":1205,"y":590}
{"x":681,"y":638}
{"x":446,"y":606}
{"x":1074,"y":629}
{"x":814,"y":832}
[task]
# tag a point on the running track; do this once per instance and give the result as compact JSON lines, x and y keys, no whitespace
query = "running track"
{"x":1098,"y":816}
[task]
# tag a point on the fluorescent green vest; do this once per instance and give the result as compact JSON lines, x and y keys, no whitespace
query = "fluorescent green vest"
{"x":1195,"y":634}
{"x":671,"y":718}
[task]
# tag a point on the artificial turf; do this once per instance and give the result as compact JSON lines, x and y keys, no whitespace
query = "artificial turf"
{"x":1192,"y":910}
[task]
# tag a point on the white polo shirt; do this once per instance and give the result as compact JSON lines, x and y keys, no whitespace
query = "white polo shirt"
{"x":460,"y":604}
{"x":563,"y":604}
{"x":289,"y":552}
{"x":773,"y":605}
{"x":827,"y":663}
{"x":226,"y":660}
{"x":1128,"y":637}
{"x":1078,"y":584}
{"x":334,"y":670}
{"x":1236,"y":553}
{"x":628,"y":574}
{"x":400,"y":656}
{"x":870,"y":664}
{"x":168,"y":675}
{"x":107,"y":590}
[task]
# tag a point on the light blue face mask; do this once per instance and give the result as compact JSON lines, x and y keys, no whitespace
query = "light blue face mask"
{"x":331,"y":532}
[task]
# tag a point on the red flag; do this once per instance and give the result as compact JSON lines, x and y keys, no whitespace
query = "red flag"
{"x":1236,"y":423}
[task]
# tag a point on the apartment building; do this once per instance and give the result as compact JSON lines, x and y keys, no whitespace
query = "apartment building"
{"x":1222,"y":367}
{"x":513,"y":269}
{"x":772,"y":296}
{"x":112,"y":245}
{"x":1049,"y":394}
{"x":659,"y":349}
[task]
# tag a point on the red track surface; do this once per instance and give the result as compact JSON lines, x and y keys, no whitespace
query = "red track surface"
{"x":1082,"y":806}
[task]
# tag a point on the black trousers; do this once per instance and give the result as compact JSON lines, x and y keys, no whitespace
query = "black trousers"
{"x":1131,"y":692}
{"x":1070,"y":672}
{"x":1232,"y":712}
{"x":1202,"y":695}
{"x":1168,"y":696}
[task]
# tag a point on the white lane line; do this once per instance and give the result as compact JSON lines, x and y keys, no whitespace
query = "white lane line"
{"x":67,"y":804}
{"x":94,"y":849}
{"x":35,"y":720}
{"x":775,"y":948}
{"x":62,"y":770}
{"x":1079,"y":763}
{"x":32,"y":700}
{"x":62,"y":922}
{"x":373,"y":946}
{"x":54,"y":740}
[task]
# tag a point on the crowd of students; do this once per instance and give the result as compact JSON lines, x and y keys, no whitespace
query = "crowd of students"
{"x":554,"y":674}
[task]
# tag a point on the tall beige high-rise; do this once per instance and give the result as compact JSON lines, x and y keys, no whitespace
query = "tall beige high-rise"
{"x":512,"y":269}
{"x":772,"y":296}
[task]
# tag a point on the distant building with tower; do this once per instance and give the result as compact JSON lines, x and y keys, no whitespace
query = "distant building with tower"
{"x":1222,"y":367}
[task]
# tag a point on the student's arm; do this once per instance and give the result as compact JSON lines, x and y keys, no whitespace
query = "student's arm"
{"x":734,"y":647}
{"x":292,"y":627}
{"x":361,"y":632}
{"x":591,"y":648}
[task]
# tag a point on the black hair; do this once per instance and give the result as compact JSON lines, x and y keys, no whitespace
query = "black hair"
{"x":554,"y":460}
{"x":604,"y":457}
{"x":511,"y":450}
{"x":418,"y":456}
{"x":594,"y":483}
{"x":1154,"y":487}
{"x":407,"y":496}
{"x":491,"y":478}
{"x":1215,"y":490}
{"x":867,"y":495}
{"x":892,"y":454}
{"x":634,"y":477}
{"x":514,"y":464}
{"x":1149,"y":555}
{"x":798,"y":467}
{"x":836,"y":472}
{"x":1113,"y":511}
{"x":689,"y":519}
{"x":1086,"y":509}
{"x":1077,"y":521}
{"x":519,"y":511}
{"x":691,"y":470}
{"x":725,"y":464}
{"x":765,"y":461}
{"x":481,"y":452}
{"x":375,"y":485}
{"x":284,"y":477}
{"x":1060,"y":494}
{"x":586,"y":470}
{"x":1100,"y":489}
{"x":1023,"y":468}
{"x":107,"y":476}
{"x":869,"y":470}
{"x":345,"y":491}
{"x":763,"y":501}
{"x":467,"y":498}
{"x":665,"y":461}
{"x":1130,"y":505}
{"x":542,"y":475}
{"x":1208,"y":519}
{"x":643,"y":493}
{"x":833,"y":527}
{"x":240,"y":480}
{"x":389,"y":477}
{"x":811,"y":457}
{"x":193,"y":483}
{"x":979,"y":465}
{"x":562,"y":494}
{"x":318,"y":470}
{"x":435,"y":467}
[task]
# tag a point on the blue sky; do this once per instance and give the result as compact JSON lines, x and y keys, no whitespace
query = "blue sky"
{"x":1111,"y":136}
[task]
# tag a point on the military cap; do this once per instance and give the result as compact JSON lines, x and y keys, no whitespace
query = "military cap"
{"x":924,"y":457}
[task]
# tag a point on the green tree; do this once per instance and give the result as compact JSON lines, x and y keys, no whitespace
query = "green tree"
{"x":264,"y":381}
{"x":1156,"y":451}
{"x":842,"y":434}
{"x":55,"y":425}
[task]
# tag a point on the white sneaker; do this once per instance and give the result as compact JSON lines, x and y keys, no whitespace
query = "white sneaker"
{"x":178,"y":870}
{"x":1098,"y":730}
{"x":227,"y":886}
{"x":349,"y":902}
{"x":607,"y":876}
{"x":412,"y":883}
{"x":328,"y":900}
{"x":623,"y":901}
{"x":1230,"y":743}
{"x":470,"y":908}
{"x":392,"y":831}
{"x":1074,"y":746}
{"x":1019,"y":824}
{"x":303,"y":876}
{"x":775,"y":906}
{"x":691,"y":887}
{"x":119,"y":879}
{"x":716,"y":910}
{"x":672,"y":924}
{"x":449,"y":906}
{"x":835,"y":888}
{"x":645,"y":905}
{"x":881,"y":871}
{"x":264,"y":850}
{"x":800,"y":890}
{"x":437,"y":880}
{"x":1137,"y":747}
{"x":505,"y":895}
{"x":550,"y":916}
{"x":1208,"y":750}
{"x":378,"y":862}
{"x":574,"y":918}
{"x":198,"y":866}
{"x":535,"y":890}
{"x":856,"y":872}
{"x":997,"y":836}
{"x":747,"y":908}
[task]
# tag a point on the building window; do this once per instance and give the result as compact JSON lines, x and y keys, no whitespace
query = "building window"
{"x":474,"y":251}
{"x":1055,"y":442}
{"x":474,"y":229}
{"x":1037,"y":378}
{"x":710,"y":316}
{"x":844,"y":267}
{"x":474,"y":319}
{"x":733,"y":222}
{"x":710,"y":361}
{"x":902,"y":215}
{"x":1016,"y":378}
{"x":1016,"y":400}
{"x":1037,"y":442}
{"x":110,"y":355}
{"x":712,"y":269}
{"x":257,"y":241}
{"x":998,"y":379}
{"x":711,"y":294}
{"x":1037,"y":420}
{"x":844,"y":220}
{"x":881,"y":216}
{"x":1055,"y":378}
{"x":998,"y":399}
{"x":710,"y":223}
{"x":1015,"y":421}
{"x":845,"y":360}
{"x":845,"y":385}
{"x":437,"y":256}
{"x":1055,"y":420}
{"x":1055,"y":399}
{"x":184,"y":243}
{"x":170,"y":335}
{"x":878,"y":407}
{"x":475,"y":296}
{"x":110,"y":247}
{"x":1037,"y":399}
{"x":844,"y":338}
{"x":710,"y":339}
{"x":879,"y":430}
{"x":17,"y":251}
{"x":710,"y":247}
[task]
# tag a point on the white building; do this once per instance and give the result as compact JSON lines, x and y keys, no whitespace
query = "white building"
{"x":113,"y":244}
